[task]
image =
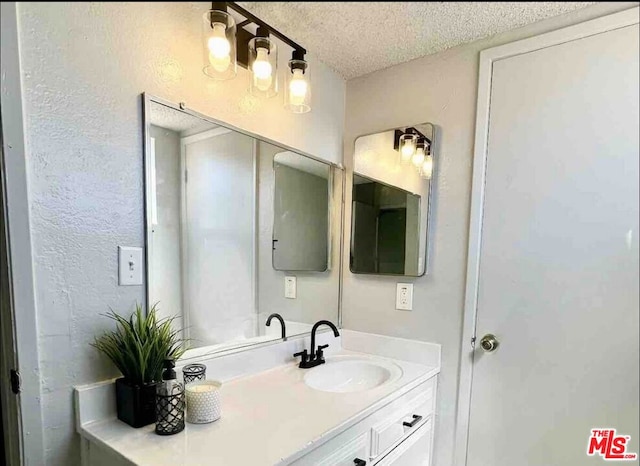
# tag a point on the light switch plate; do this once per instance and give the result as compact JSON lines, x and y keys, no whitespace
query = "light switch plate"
{"x":290,"y":287}
{"x":404,"y":296}
{"x":129,"y":266}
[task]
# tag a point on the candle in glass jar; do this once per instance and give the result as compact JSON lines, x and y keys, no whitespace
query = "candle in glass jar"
{"x":203,"y":402}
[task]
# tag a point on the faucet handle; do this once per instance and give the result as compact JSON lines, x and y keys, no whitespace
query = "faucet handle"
{"x":319,"y":352}
{"x":304,"y":354}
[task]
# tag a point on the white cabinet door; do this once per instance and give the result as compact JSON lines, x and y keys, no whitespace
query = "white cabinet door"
{"x":414,"y":451}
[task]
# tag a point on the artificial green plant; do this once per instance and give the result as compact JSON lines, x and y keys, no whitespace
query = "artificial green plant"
{"x":139,"y":345}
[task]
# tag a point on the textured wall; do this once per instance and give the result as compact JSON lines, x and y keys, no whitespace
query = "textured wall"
{"x":84,"y":66}
{"x":441,"y":89}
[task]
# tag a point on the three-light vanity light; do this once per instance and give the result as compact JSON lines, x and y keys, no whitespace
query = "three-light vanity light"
{"x":227,"y":45}
{"x":414,"y":148}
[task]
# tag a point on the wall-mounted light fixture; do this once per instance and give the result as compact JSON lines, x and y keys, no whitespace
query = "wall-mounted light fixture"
{"x":226,"y":45}
{"x":219,"y":43}
{"x":297,"y":97}
{"x":263,"y":64}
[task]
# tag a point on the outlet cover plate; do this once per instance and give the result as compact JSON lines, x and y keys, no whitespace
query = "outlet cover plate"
{"x":404,"y":296}
{"x":290,"y":287}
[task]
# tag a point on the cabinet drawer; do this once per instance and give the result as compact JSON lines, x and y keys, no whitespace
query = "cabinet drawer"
{"x":414,"y":451}
{"x":402,"y":423}
{"x":358,"y":448}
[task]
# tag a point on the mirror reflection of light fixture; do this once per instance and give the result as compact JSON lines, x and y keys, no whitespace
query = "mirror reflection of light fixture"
{"x":297,"y":97}
{"x":263,"y":64}
{"x":413,"y":147}
{"x":226,"y":45}
{"x":419,"y":155}
{"x":427,"y":167}
{"x":406,"y":144}
{"x":219,"y":42}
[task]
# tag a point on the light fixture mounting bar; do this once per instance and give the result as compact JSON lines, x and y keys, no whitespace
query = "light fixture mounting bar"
{"x":254,"y":19}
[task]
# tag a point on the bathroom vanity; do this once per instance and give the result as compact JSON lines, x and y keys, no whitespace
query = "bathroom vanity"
{"x":371,"y":403}
{"x":241,"y":230}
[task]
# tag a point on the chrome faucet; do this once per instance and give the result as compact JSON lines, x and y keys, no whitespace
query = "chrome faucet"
{"x":284,"y":328}
{"x":315,"y":358}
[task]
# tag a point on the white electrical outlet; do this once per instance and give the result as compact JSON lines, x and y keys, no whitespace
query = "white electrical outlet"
{"x":404,"y":296}
{"x":129,"y":266}
{"x":290,"y":287}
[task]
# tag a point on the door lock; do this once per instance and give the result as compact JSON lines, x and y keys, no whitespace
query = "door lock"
{"x":489,"y":343}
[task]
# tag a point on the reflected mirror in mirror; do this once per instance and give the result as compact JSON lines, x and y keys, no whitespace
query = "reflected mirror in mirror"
{"x":211,"y":196}
{"x":391,"y":201}
{"x":301,"y":213}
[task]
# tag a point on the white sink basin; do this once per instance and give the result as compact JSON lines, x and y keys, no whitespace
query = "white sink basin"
{"x":343,"y":374}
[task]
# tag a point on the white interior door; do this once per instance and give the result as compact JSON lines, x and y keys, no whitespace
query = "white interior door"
{"x":10,"y":425}
{"x":558,"y":271}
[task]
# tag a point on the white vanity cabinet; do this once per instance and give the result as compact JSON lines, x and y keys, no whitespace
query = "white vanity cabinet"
{"x":398,"y":434}
{"x":389,"y":424}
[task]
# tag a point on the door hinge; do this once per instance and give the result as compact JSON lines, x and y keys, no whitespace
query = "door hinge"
{"x":16,"y":382}
{"x":473,"y":342}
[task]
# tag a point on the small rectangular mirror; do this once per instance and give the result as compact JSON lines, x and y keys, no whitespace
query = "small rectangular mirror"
{"x":301,"y":213}
{"x":391,"y":201}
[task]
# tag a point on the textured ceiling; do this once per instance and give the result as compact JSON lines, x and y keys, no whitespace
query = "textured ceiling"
{"x":356,"y":38}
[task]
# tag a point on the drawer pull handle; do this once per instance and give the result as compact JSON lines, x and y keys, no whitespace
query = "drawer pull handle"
{"x":416,"y":419}
{"x":359,"y":462}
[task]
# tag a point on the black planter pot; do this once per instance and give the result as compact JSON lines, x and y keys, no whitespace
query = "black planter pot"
{"x":136,"y":404}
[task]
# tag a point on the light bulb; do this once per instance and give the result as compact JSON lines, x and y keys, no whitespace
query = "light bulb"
{"x":427,"y":167}
{"x":297,"y":88}
{"x":262,"y":70}
{"x":407,"y":150}
{"x":418,"y":157}
{"x":219,"y":48}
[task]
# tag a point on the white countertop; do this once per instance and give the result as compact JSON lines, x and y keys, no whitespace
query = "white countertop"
{"x":268,"y":418}
{"x":269,"y":415}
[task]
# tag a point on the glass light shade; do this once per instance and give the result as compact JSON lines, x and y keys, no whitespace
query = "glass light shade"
{"x":427,"y":167}
{"x":263,"y":65}
{"x":219,"y":45}
{"x":418,"y":157}
{"x":297,"y":91}
{"x":407,"y":146}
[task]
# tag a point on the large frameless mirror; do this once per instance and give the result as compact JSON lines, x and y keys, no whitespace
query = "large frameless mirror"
{"x":228,"y":217}
{"x":391,"y":201}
